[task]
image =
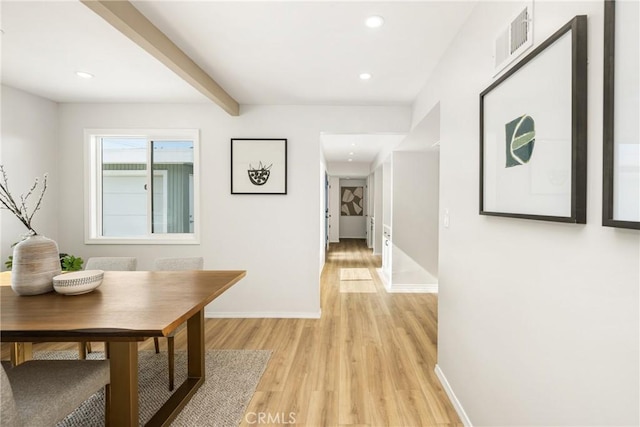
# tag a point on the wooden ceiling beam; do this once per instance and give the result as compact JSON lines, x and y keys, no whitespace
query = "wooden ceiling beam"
{"x":123,"y":16}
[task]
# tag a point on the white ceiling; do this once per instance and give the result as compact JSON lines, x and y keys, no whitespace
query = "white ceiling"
{"x":264,"y":52}
{"x":45,"y":43}
{"x":312,"y":52}
{"x":365,"y":148}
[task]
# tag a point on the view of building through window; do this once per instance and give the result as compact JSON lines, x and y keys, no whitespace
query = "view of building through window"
{"x":134,"y":205}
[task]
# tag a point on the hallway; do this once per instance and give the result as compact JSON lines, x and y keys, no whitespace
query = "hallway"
{"x":368,"y":361}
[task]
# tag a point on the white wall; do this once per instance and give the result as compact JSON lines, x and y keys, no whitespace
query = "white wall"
{"x":275,"y":238}
{"x":29,"y":150}
{"x":348,"y":169}
{"x":538,"y":321}
{"x":354,"y":227}
{"x":415,"y":206}
{"x":387,"y":192}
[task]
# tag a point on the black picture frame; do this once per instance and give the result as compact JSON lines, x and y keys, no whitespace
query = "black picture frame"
{"x":258,"y":166}
{"x":609,"y":141}
{"x":573,"y":197}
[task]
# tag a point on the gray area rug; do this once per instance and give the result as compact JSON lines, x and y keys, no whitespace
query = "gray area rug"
{"x":231,"y":380}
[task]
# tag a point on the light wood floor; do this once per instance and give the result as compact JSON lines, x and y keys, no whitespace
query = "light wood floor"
{"x":368,"y":361}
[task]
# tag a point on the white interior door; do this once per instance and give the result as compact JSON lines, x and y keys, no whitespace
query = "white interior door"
{"x":334,"y":209}
{"x":370,"y":211}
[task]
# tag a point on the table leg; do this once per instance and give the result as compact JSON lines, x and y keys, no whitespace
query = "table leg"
{"x":21,"y":352}
{"x":82,"y":354}
{"x":195,"y":345}
{"x":124,"y":383}
{"x":195,"y":374}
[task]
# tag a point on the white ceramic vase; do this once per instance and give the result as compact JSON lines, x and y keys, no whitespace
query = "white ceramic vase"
{"x":36,"y":261}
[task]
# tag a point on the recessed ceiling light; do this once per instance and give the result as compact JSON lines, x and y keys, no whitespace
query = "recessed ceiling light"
{"x":353,"y":144}
{"x":365,"y":76}
{"x":351,"y":153}
{"x":351,"y":160}
{"x":84,"y":74}
{"x":374,"y":21}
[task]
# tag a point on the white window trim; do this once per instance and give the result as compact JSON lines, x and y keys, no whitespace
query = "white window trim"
{"x":93,"y":209}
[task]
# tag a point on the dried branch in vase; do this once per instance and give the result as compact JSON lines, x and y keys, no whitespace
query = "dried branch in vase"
{"x":20,"y":208}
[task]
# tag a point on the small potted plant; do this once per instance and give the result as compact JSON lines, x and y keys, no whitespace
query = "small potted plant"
{"x":70,"y":262}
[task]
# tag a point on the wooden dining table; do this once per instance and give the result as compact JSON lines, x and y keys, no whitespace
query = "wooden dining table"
{"x":128,"y":307}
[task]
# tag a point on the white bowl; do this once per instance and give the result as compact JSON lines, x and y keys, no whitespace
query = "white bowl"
{"x":78,"y":282}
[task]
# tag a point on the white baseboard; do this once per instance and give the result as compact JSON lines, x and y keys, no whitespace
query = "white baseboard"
{"x":415,"y":289}
{"x":383,"y":278}
{"x":406,"y":288}
{"x":452,"y":397}
{"x":262,"y":315}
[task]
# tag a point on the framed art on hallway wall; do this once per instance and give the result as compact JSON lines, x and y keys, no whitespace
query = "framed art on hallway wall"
{"x":351,"y":201}
{"x":533,"y":133}
{"x":258,"y":166}
{"x":621,"y":149}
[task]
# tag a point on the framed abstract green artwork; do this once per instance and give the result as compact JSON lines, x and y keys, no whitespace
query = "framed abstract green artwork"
{"x":533,"y":133}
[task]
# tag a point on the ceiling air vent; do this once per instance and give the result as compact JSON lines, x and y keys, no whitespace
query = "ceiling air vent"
{"x":514,"y":39}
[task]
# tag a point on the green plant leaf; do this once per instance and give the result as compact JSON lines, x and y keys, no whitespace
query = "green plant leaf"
{"x":71,"y":263}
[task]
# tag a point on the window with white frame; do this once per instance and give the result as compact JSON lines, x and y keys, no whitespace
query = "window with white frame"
{"x":142,"y":186}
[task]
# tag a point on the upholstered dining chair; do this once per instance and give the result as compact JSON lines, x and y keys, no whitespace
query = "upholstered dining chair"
{"x":106,"y":264}
{"x":174,"y":264}
{"x":43,"y":392}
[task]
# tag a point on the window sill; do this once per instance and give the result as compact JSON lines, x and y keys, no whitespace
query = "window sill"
{"x":186,"y":240}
